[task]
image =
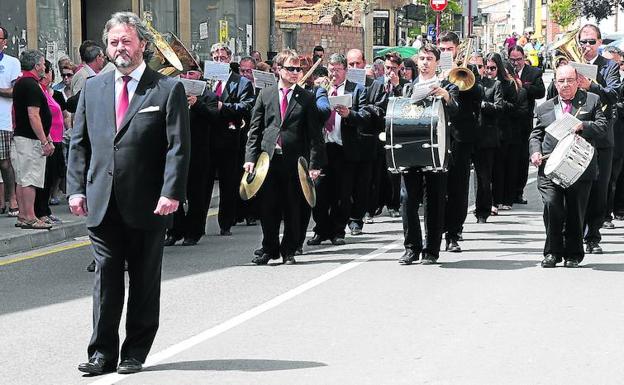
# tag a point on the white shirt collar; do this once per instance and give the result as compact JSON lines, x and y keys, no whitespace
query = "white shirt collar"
{"x":135,"y":75}
{"x":593,"y":60}
{"x":290,"y":88}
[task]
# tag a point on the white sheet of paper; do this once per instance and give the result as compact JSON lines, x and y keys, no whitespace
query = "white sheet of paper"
{"x":193,"y":87}
{"x":342,"y":100}
{"x":263,"y":79}
{"x":357,"y":75}
{"x":563,"y":126}
{"x":216,"y":71}
{"x":421,"y":90}
{"x":446,"y":61}
{"x":590,"y":71}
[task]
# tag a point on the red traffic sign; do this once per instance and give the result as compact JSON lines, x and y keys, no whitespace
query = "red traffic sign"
{"x":438,"y":5}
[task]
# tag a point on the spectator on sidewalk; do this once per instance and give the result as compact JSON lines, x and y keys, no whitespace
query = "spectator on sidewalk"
{"x":94,"y":60}
{"x":9,"y":72}
{"x":31,"y":142}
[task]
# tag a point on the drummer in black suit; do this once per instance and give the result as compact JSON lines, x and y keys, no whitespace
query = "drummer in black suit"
{"x":431,"y":186}
{"x":565,"y":208}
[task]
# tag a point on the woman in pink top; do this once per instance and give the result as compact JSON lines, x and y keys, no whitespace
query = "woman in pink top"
{"x":55,"y":164}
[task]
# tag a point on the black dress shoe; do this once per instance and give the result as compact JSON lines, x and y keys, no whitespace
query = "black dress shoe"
{"x":520,"y":201}
{"x":91,"y":267}
{"x":481,"y":220}
{"x":263,"y":259}
{"x":170,"y":240}
{"x":190,"y":242}
{"x":571,"y":263}
{"x":289,"y":260}
{"x":618,"y":217}
{"x":225,"y":232}
{"x":259,"y":252}
{"x":549,"y":261}
{"x":129,"y":366}
{"x":251,"y":222}
{"x":315,"y":240}
{"x":338,"y":241}
{"x":453,"y":246}
{"x":428,"y":259}
{"x":593,"y":248}
{"x":408,"y":257}
{"x":608,"y":225}
{"x":299,"y":251}
{"x":97,"y":366}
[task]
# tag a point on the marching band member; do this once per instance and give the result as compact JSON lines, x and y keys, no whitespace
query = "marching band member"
{"x":564,"y":209}
{"x":350,"y":144}
{"x":284,"y":123}
{"x":429,"y":185}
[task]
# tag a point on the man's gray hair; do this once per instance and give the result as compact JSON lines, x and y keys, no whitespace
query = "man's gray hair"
{"x":130,"y":19}
{"x":613,"y":50}
{"x":249,"y":59}
{"x":338,"y":58}
{"x":217,"y":46}
{"x":91,"y":53}
{"x":30,"y":58}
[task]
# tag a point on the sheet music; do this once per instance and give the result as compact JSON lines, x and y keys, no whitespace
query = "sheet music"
{"x":263,"y":79}
{"x":357,"y":75}
{"x":446,"y":61}
{"x":421,"y":90}
{"x":563,"y":126}
{"x":342,"y":100}
{"x":590,"y":71}
{"x":193,"y":87}
{"x":216,"y":71}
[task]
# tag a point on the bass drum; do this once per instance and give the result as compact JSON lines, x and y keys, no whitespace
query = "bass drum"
{"x":416,"y":135}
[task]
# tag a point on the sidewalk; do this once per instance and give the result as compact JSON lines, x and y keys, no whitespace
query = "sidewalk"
{"x":15,"y":240}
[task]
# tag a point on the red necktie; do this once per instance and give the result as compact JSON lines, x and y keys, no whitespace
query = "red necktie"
{"x":567,"y":106}
{"x":122,"y":105}
{"x":283,"y":108}
{"x":219,"y":89}
{"x":331,"y":122}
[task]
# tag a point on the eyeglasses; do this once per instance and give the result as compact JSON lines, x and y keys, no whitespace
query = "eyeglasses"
{"x":292,"y":69}
{"x":519,"y":59}
{"x":491,"y":68}
{"x":588,"y":41}
{"x":246,"y":70}
{"x":67,"y":75}
{"x":563,"y":81}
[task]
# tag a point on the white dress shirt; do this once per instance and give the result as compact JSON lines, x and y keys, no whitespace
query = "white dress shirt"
{"x":336,"y":135}
{"x":132,"y":84}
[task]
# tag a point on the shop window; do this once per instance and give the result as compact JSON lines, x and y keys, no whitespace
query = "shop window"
{"x":381,"y":35}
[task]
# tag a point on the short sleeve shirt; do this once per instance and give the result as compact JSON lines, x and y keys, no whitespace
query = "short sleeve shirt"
{"x":28,"y":93}
{"x":10,"y":70}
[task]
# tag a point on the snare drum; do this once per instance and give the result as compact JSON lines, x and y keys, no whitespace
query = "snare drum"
{"x":416,"y":135}
{"x":569,"y":160}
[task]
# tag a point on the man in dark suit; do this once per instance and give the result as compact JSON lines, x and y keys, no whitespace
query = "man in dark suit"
{"x":285,"y":125}
{"x":531,"y":78}
{"x":606,"y":86}
{"x":350,"y":144}
{"x":128,"y":164}
{"x":431,"y":186}
{"x":564,"y":209}
{"x":236,"y":98}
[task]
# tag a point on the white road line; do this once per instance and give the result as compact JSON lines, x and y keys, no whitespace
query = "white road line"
{"x":207,"y":334}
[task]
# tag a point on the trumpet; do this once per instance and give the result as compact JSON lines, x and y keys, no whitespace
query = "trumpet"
{"x":461,"y":76}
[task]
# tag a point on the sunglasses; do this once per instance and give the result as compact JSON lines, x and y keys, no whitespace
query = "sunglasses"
{"x":588,"y":41}
{"x":479,"y":66}
{"x":491,"y":68}
{"x":67,"y":75}
{"x":292,"y":69}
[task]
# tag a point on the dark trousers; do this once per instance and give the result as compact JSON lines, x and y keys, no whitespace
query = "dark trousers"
{"x":54,"y":170}
{"x":521,"y":150}
{"x":280,"y":199}
{"x":597,"y":206}
{"x":225,"y":163}
{"x":618,"y":196}
{"x":342,"y":193}
{"x":244,"y":209}
{"x":564,"y":212}
{"x":376,"y":186}
{"x":616,"y":172}
{"x":483,"y":159}
{"x":113,"y":242}
{"x":505,"y":175}
{"x":434,"y":186}
{"x":457,"y":189}
{"x":393,"y":196}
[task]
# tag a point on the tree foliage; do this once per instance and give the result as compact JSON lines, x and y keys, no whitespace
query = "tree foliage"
{"x":446,"y":18}
{"x":564,"y":12}
{"x":598,"y":9}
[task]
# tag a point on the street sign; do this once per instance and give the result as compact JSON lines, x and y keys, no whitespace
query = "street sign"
{"x":438,"y":5}
{"x":431,"y":32}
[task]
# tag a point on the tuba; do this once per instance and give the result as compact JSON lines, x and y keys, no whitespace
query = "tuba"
{"x":567,"y":48}
{"x":461,"y":76}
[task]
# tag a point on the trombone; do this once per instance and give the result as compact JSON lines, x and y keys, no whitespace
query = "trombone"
{"x":461,"y":76}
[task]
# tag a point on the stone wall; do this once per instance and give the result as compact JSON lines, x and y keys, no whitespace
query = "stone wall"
{"x":334,"y":38}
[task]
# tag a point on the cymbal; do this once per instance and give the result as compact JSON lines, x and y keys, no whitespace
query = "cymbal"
{"x":307,"y":184}
{"x":250,"y":183}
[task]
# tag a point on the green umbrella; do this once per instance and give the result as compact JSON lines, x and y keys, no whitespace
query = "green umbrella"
{"x":404,"y":52}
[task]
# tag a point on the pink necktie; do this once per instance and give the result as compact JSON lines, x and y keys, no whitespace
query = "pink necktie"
{"x":331,"y":122}
{"x":122,"y":105}
{"x":219,"y":89}
{"x":283,"y":108}
{"x":567,"y":106}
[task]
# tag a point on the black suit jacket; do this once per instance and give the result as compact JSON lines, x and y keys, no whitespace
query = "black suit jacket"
{"x":148,"y":157}
{"x":594,"y":127}
{"x":489,"y":131}
{"x":357,"y":130}
{"x":300,"y":130}
{"x":464,"y":127}
{"x":531,"y":78}
{"x":238,"y":99}
{"x":618,"y":126}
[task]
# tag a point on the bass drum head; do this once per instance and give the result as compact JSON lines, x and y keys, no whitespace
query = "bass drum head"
{"x":442,"y":134}
{"x":558,"y":154}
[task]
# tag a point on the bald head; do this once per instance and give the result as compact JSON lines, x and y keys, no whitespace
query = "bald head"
{"x":566,"y":81}
{"x":355,"y":59}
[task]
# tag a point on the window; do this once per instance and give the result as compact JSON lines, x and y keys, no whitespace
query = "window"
{"x":164,"y":14}
{"x":290,"y":38}
{"x":53,"y":28}
{"x":13,"y":18}
{"x":381,"y":34}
